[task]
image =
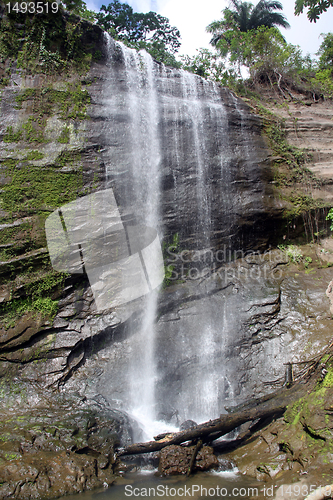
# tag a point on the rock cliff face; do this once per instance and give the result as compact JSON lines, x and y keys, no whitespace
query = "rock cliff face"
{"x":262,"y":313}
{"x":52,"y":152}
{"x":227,"y":322}
{"x":207,"y":139}
{"x":310,"y":127}
{"x":203,"y":138}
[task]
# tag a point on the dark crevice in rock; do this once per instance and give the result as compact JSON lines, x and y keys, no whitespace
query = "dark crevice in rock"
{"x":174,"y":304}
{"x":312,"y":432}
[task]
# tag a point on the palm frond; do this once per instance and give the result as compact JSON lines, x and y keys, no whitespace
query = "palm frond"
{"x":270,"y":5}
{"x":235,"y":3}
{"x":246,"y":17}
{"x":263,"y":15}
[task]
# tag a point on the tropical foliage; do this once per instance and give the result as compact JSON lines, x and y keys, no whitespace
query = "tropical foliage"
{"x":323,"y":77}
{"x":315,"y":8}
{"x":207,"y":64}
{"x":247,"y":38}
{"x":246,"y":17}
{"x":326,"y":52}
{"x":265,"y":53}
{"x":150,"y":31}
{"x":330,"y":218}
{"x":46,"y":43}
{"x":79,"y":8}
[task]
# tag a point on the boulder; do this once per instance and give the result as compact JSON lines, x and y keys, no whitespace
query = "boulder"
{"x":175,"y":460}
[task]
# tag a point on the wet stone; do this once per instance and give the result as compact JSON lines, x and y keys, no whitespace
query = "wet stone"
{"x":175,"y":460}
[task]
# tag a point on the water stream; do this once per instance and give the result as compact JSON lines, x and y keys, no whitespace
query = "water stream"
{"x":168,"y":145}
{"x":145,"y":152}
{"x":213,"y":485}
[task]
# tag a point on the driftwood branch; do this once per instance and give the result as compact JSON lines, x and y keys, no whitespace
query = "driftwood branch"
{"x":193,"y":457}
{"x":262,"y":409}
{"x":278,"y":83}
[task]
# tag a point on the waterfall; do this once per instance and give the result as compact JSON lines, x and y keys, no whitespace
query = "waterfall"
{"x":195,"y":113}
{"x":168,"y":145}
{"x":146,"y":156}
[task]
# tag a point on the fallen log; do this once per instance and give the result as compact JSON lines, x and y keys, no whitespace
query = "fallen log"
{"x":275,"y":406}
{"x":222,"y":425}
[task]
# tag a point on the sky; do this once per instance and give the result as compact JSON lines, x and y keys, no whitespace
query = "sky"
{"x":191,"y":18}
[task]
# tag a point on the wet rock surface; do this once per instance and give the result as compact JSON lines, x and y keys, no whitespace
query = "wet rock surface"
{"x":294,"y":450}
{"x":329,"y":293}
{"x":258,"y":313}
{"x":97,"y":155}
{"x":49,"y":349}
{"x":61,"y":448}
{"x":264,"y":311}
{"x":188,"y":424}
{"x":176,"y":460}
{"x":282,"y":318}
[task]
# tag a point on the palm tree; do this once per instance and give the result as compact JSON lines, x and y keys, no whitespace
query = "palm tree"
{"x":245,"y":17}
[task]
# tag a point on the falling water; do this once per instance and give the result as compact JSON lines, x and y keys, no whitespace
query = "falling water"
{"x":196,"y":114}
{"x":201,"y":106}
{"x":146,"y":156}
{"x":173,"y":125}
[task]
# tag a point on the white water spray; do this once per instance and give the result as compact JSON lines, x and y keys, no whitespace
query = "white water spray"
{"x":172,"y":121}
{"x":145,"y":150}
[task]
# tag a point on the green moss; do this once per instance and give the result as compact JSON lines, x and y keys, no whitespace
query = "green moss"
{"x":291,"y":175}
{"x":47,"y":283}
{"x":45,"y":44}
{"x":8,"y":235}
{"x":11,"y":136}
{"x":68,"y":158}
{"x":315,"y":434}
{"x":12,"y":456}
{"x":46,"y":306}
{"x":70,"y":103}
{"x":97,"y":55}
{"x":6,"y":254}
{"x":4,"y":81}
{"x":32,"y":130}
{"x":33,"y":187}
{"x":168,"y":267}
{"x":293,"y":412}
{"x":328,"y":380}
{"x":9,"y":387}
{"x":34,"y":155}
{"x":48,"y":43}
{"x":301,"y":203}
{"x":64,"y":136}
{"x":38,"y":299}
{"x":9,"y":164}
{"x":24,"y":96}
{"x":295,"y":158}
{"x":11,"y":311}
{"x":15,"y":309}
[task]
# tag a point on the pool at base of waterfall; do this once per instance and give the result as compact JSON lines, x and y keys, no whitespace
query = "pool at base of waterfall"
{"x":210,"y":485}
